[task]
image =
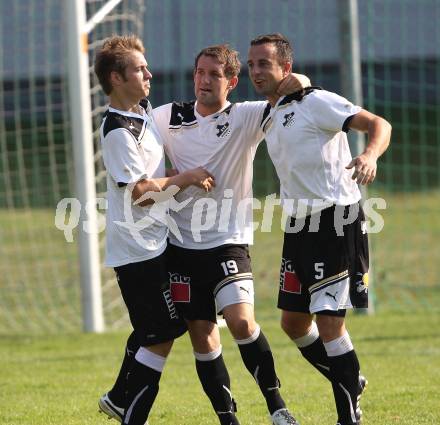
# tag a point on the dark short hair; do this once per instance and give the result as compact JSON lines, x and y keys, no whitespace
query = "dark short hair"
{"x":113,"y":56}
{"x":282,"y":44}
{"x":225,"y":55}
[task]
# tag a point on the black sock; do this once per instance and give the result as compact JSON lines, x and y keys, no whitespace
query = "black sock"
{"x":344,"y":370}
{"x":258,"y":359}
{"x":316,"y":355}
{"x":228,"y":419}
{"x":142,"y":389}
{"x":118,"y":393}
{"x":215,"y":381}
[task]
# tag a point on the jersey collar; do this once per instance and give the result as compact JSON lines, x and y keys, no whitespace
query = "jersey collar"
{"x":128,"y":113}
{"x":211,"y":116}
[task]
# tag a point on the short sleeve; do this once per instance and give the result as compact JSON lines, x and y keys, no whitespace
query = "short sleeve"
{"x":329,"y":110}
{"x":161,"y":118}
{"x":122,"y":158}
{"x":252,"y":114}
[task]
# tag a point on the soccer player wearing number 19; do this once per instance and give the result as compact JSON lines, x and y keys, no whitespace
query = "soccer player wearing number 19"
{"x":210,"y":266}
{"x":325,"y":264}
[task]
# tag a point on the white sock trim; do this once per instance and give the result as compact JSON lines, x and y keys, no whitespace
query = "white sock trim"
{"x":309,"y":338}
{"x":208,"y":356}
{"x":339,"y":346}
{"x":150,"y":359}
{"x":251,"y":339}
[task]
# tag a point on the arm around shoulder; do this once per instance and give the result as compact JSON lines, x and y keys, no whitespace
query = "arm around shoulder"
{"x":293,"y":82}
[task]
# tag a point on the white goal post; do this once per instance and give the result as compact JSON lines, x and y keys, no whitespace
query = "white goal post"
{"x":78,"y":29}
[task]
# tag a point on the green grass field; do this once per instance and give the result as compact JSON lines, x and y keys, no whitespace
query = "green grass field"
{"x":56,"y":378}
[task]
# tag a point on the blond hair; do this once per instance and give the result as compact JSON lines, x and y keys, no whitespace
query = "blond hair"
{"x":114,"y":56}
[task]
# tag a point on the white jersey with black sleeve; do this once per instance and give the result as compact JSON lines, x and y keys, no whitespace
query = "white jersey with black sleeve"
{"x":132,"y":150}
{"x":307,"y":142}
{"x":225,"y":144}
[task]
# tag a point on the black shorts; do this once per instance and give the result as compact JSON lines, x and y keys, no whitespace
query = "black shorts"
{"x":145,"y":289}
{"x":326,"y":270}
{"x":197,"y":277}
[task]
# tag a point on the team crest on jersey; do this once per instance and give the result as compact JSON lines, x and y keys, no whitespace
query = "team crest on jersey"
{"x":288,"y":119}
{"x":289,"y":281}
{"x":223,"y":130}
{"x":180,"y":288}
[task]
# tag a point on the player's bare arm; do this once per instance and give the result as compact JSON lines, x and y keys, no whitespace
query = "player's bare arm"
{"x":196,"y":177}
{"x":170,"y":172}
{"x":379,"y":134}
{"x":292,"y":83}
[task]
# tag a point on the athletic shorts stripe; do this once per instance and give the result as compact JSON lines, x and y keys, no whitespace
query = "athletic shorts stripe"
{"x":235,"y":278}
{"x":328,"y":282}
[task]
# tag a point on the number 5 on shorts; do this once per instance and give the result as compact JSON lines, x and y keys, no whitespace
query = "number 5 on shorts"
{"x":319,"y":269}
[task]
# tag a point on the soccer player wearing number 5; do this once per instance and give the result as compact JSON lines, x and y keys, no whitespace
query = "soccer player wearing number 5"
{"x":134,"y":158}
{"x":325,"y":254}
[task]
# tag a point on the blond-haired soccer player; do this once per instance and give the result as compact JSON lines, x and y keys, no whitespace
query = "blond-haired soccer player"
{"x":134,"y":158}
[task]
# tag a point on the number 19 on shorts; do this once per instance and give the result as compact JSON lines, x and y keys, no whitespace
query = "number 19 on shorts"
{"x":229,"y":267}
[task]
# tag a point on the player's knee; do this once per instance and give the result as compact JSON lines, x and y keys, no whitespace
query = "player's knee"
{"x":330,"y":327}
{"x":295,"y":326}
{"x":205,"y":345}
{"x":204,"y":336}
{"x":291,"y":328}
{"x":287,"y":326}
{"x":162,"y":349}
{"x":241,"y":327}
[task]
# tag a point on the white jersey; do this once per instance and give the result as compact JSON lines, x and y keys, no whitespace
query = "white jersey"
{"x":307,"y":143}
{"x":225,"y":144}
{"x":132,"y":150}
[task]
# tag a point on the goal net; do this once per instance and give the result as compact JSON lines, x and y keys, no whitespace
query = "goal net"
{"x":399,"y":39}
{"x":39,"y":270}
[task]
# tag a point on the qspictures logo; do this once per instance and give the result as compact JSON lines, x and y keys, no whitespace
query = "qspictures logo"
{"x":209,"y":215}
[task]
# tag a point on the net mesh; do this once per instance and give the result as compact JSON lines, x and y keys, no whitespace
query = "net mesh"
{"x":39,"y":283}
{"x":39,"y":278}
